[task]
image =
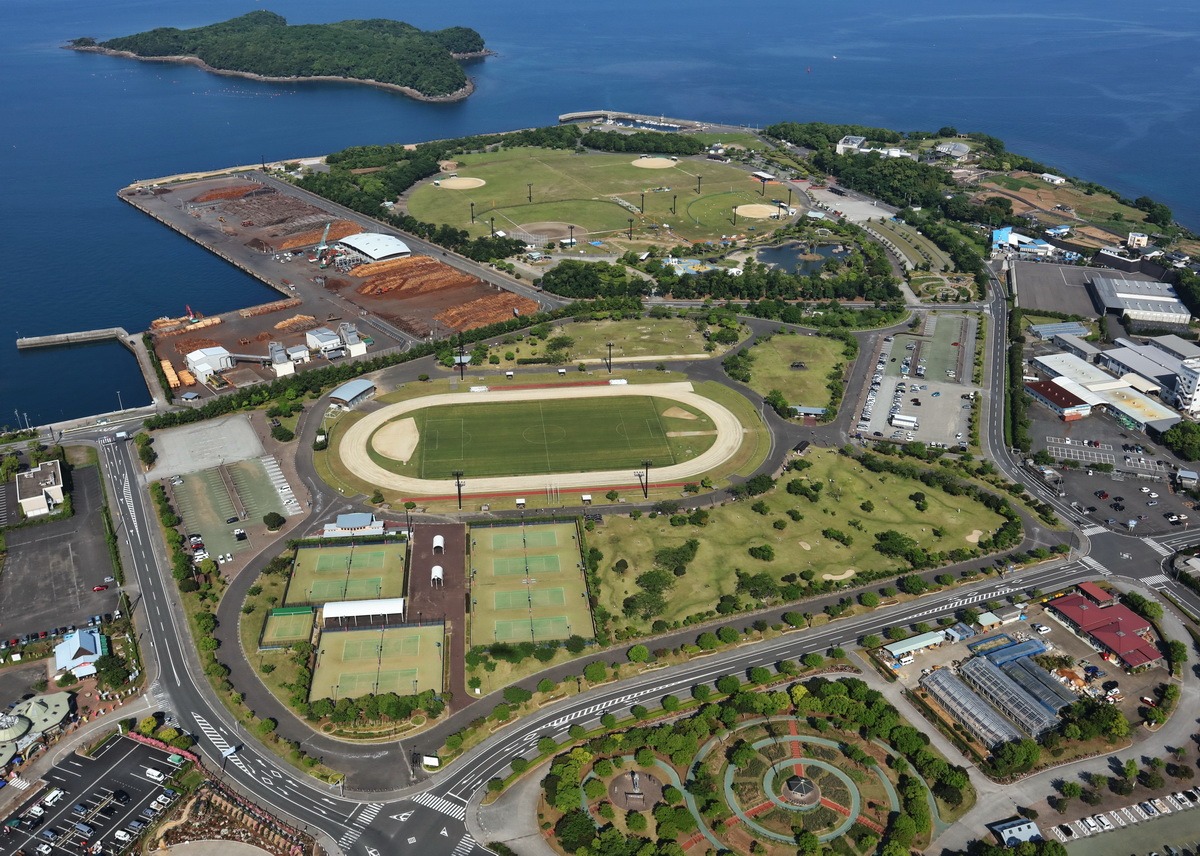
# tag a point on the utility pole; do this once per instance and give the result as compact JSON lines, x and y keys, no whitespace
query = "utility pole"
{"x":458,"y":483}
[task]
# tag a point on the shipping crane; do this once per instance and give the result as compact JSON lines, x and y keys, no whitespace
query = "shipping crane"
{"x":323,"y":248}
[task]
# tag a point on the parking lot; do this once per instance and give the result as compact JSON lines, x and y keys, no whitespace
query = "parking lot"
{"x":109,"y":800}
{"x":940,"y":406}
{"x":1059,"y":288}
{"x":52,"y":569}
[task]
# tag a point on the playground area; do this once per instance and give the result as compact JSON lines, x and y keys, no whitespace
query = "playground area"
{"x":286,"y":626}
{"x":527,"y":584}
{"x":362,"y":572}
{"x":401,"y":660}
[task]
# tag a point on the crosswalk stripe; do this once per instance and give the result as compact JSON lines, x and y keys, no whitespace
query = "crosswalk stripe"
{"x":465,"y":846}
{"x":368,"y":814}
{"x":1155,"y":580}
{"x":1094,"y":530}
{"x":18,"y":783}
{"x":436,"y":803}
{"x":217,"y":740}
{"x":1157,"y":547}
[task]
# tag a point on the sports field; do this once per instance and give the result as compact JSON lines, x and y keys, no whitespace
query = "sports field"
{"x":364,"y":572}
{"x":401,"y":660}
{"x":535,"y":437}
{"x":582,"y":190}
{"x":286,"y":626}
{"x":527,"y":584}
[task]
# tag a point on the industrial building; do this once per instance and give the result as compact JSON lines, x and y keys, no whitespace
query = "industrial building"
{"x":1081,"y":348}
{"x":1119,"y":396}
{"x":351,"y":340}
{"x":1114,"y":627}
{"x":375,"y":247}
{"x":915,"y":644}
{"x":1007,"y":696}
{"x":962,"y":703}
{"x":1145,"y":303}
{"x":1047,"y":331}
{"x":206,"y":362}
{"x":40,"y":489}
{"x":322,"y":339}
{"x":1069,"y":406}
{"x":352,"y":392}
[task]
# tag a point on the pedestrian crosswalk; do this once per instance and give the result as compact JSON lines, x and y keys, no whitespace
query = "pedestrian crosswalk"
{"x":360,"y":822}
{"x":1157,"y":547}
{"x":1155,"y":580}
{"x":1088,"y":561}
{"x":18,"y":783}
{"x":220,"y":742}
{"x":465,"y":846}
{"x":433,"y":801}
{"x":1093,"y":530}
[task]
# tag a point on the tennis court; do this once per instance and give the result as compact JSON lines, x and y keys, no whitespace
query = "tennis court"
{"x":287,"y":625}
{"x":364,"y":572}
{"x":527,"y":584}
{"x":401,"y":660}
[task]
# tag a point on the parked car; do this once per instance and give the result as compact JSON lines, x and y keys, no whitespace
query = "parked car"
{"x":99,"y":588}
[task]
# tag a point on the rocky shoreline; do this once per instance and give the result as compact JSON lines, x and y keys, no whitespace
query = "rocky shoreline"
{"x":417,"y":95}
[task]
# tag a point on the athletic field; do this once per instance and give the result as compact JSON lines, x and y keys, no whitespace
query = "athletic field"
{"x":582,"y":189}
{"x":402,"y":660}
{"x":526,"y":584}
{"x":568,"y":435}
{"x":286,"y":626}
{"x":363,"y":572}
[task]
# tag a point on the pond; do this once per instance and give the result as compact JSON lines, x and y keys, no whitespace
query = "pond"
{"x":791,"y":257}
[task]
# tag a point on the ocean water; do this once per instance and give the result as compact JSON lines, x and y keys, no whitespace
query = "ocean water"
{"x":1105,"y":92}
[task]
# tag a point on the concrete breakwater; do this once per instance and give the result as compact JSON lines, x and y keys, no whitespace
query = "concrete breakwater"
{"x":120,"y":334}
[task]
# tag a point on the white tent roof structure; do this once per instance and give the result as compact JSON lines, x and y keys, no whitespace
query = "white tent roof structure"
{"x":376,"y":246}
{"x":365,"y":608}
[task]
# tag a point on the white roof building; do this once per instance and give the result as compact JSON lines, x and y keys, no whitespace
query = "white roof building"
{"x":40,"y":489}
{"x":375,"y":246}
{"x":206,"y":362}
{"x":322,"y":339}
{"x":1143,"y":301}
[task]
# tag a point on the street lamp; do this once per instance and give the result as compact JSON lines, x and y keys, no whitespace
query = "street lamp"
{"x":120,"y":404}
{"x":458,"y":483}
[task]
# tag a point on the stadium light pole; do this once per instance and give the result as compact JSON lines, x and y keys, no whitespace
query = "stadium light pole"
{"x":493,"y":228}
{"x":458,"y":483}
{"x":674,"y":199}
{"x":789,"y":197}
{"x":530,"y":186}
{"x":462,"y":365}
{"x":646,"y":479}
{"x":763,"y":190}
{"x":699,"y":178}
{"x":631,"y":228}
{"x":610,"y":346}
{"x":571,"y":229}
{"x":643,"y":206}
{"x":472,"y":213}
{"x":735,"y":215}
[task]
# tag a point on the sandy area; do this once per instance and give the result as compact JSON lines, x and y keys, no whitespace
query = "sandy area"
{"x":973,"y":538}
{"x":690,"y":433}
{"x":461,"y":183}
{"x":757,"y":211}
{"x":397,"y":440}
{"x":553,"y":230}
{"x":653,"y":163}
{"x":353,"y":448}
{"x":805,"y":545}
{"x":678,"y":413}
{"x":844,"y":575}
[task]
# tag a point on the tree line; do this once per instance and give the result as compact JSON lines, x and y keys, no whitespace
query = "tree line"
{"x":264,"y":43}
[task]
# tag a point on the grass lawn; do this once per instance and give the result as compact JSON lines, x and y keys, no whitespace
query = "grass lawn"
{"x":641,"y":337}
{"x":573,"y":435}
{"x":745,"y":140}
{"x":1010,"y":183}
{"x":800,"y":546}
{"x":915,"y":246}
{"x":806,"y":387}
{"x":579,"y":189}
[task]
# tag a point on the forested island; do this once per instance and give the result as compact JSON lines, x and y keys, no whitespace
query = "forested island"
{"x":392,"y":54}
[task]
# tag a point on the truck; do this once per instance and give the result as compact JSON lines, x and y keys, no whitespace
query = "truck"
{"x":899,"y":420}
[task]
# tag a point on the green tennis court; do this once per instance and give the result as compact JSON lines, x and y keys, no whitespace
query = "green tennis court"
{"x":535,"y":597}
{"x":325,"y":574}
{"x":401,"y":660}
{"x":531,"y":571}
{"x":287,"y":625}
{"x":507,"y":566}
{"x":539,"y":629}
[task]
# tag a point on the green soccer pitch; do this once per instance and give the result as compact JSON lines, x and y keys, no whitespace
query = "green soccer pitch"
{"x":570,"y":435}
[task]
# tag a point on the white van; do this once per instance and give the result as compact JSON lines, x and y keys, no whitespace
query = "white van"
{"x":53,"y":798}
{"x":905,"y":659}
{"x":155,"y":775}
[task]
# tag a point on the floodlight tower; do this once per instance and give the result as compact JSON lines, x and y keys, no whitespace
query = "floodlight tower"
{"x":462,"y":363}
{"x":458,"y":484}
{"x":646,"y":478}
{"x":610,"y":347}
